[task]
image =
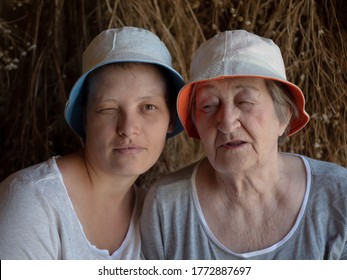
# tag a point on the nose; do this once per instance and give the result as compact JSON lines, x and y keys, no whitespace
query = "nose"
{"x":228,"y":119}
{"x":128,"y":124}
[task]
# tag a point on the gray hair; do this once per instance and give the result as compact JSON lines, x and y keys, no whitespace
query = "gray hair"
{"x":283,"y":102}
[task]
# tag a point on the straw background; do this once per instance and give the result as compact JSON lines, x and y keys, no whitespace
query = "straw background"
{"x":41,"y":43}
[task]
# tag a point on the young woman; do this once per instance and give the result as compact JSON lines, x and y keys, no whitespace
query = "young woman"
{"x":85,"y":205}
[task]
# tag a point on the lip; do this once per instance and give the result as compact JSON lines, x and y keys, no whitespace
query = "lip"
{"x":129,"y":149}
{"x":233,"y":145}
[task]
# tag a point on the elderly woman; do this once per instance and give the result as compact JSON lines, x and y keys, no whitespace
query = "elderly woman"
{"x":86,"y":205}
{"x":245,"y":200}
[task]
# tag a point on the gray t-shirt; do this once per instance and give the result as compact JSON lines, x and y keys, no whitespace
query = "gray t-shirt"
{"x":173,"y":225}
{"x":37,"y":220}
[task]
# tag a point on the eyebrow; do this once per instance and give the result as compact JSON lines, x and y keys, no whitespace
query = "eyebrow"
{"x":247,"y":86}
{"x":205,"y":86}
{"x":154,"y":96}
{"x":237,"y":86}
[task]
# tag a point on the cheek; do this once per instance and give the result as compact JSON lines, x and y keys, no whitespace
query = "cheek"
{"x":97,"y":125}
{"x":208,"y":133}
{"x":201,"y":123}
{"x":157,"y":129}
{"x":267,"y":126}
{"x":156,"y":142}
{"x":262,"y":117}
{"x":206,"y":127}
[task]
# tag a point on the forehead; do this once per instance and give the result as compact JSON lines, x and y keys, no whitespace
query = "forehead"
{"x":127,"y":75}
{"x":125,"y":82}
{"x":129,"y":67}
{"x":244,"y":82}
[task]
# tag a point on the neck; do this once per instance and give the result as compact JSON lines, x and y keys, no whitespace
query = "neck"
{"x":105,"y":183}
{"x":259,"y":183}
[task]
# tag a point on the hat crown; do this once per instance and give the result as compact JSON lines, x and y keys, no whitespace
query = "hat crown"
{"x":125,"y":43}
{"x":237,"y":52}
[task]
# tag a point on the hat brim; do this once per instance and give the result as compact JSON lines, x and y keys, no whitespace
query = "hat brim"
{"x":184,"y":97}
{"x":74,"y":107}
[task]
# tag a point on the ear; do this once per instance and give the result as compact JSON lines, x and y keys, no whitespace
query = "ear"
{"x":171,"y":127}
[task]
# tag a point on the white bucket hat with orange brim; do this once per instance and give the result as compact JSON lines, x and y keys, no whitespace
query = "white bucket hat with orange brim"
{"x":233,"y":54}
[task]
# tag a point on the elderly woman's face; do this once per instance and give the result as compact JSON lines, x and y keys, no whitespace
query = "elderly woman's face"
{"x":237,"y":123}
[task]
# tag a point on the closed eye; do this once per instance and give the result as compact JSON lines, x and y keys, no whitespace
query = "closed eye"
{"x":206,"y":102}
{"x":210,"y":107}
{"x":107,"y":110}
{"x":245,"y":102}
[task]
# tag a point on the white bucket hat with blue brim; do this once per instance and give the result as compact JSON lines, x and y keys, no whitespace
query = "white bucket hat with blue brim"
{"x":119,"y":45}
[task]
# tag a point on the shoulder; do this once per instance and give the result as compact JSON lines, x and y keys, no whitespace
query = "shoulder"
{"x":327,"y":170}
{"x":176,"y":180}
{"x":30,"y":184}
{"x":32,"y":174}
{"x":171,"y":189}
{"x":328,"y":181}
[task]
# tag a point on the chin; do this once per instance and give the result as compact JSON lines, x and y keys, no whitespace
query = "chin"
{"x":228,"y":164}
{"x":132,"y":170}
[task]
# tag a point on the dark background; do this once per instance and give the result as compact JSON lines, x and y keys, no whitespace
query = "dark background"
{"x":41,"y":43}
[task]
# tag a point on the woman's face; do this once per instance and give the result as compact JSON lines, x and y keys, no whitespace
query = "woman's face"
{"x":127,"y":119}
{"x":237,"y":123}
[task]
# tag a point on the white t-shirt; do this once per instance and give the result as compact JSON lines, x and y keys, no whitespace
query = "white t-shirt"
{"x":37,"y":220}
